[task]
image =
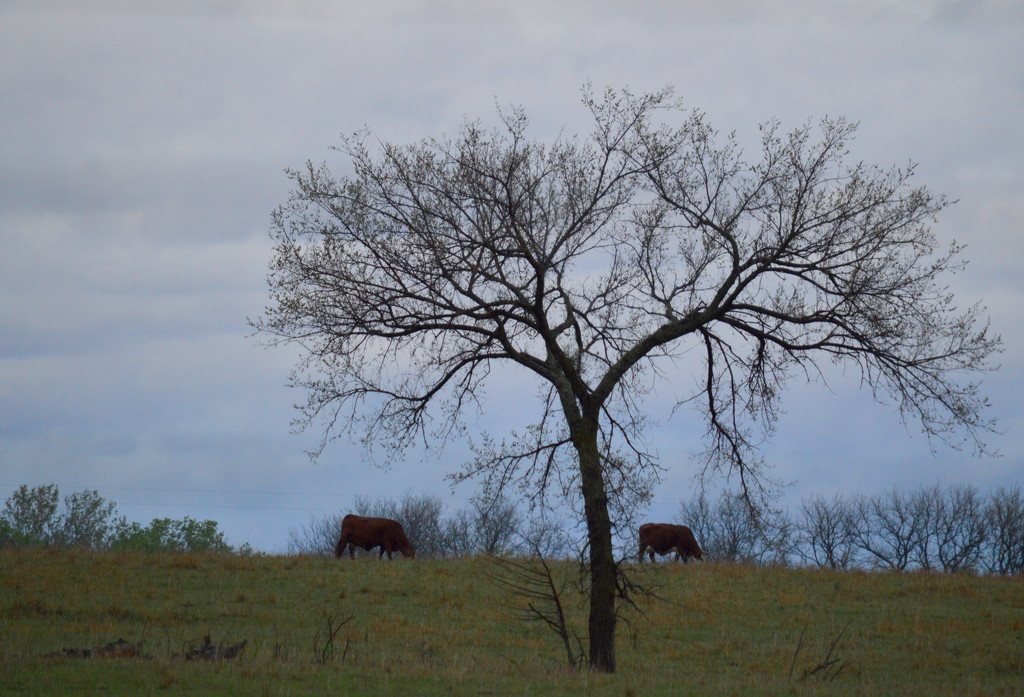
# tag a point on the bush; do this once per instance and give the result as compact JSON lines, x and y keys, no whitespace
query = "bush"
{"x":33,"y":517}
{"x":28,"y":517}
{"x":167,"y":535}
{"x":89,"y":520}
{"x":489,"y":526}
{"x":316,"y":538}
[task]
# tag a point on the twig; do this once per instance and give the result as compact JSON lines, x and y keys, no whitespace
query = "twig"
{"x":327,"y":651}
{"x":543,"y":600}
{"x":829,"y":667}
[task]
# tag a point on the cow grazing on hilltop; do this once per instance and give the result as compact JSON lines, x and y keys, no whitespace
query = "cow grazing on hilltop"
{"x":367,"y":533}
{"x":662,"y":538}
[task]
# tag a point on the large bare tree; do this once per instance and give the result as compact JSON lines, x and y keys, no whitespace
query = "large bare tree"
{"x":591,"y":263}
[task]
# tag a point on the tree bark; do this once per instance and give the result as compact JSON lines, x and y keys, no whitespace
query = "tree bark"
{"x":602,"y":562}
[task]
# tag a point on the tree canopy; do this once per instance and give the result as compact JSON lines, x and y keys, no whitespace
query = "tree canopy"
{"x":593,"y":260}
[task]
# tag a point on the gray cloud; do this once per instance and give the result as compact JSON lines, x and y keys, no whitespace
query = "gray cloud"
{"x":143,"y":150}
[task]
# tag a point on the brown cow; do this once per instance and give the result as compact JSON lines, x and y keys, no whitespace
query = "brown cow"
{"x":665,"y":537}
{"x":367,"y":533}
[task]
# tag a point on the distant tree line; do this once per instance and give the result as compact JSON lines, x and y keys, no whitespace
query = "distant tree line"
{"x":37,"y":517}
{"x":931,"y":529}
{"x":950,"y":529}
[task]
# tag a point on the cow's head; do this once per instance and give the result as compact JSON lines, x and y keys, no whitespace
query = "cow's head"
{"x":691,"y":553}
{"x":409,"y":551}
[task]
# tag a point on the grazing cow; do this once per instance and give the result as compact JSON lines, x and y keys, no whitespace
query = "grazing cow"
{"x":367,"y":533}
{"x":665,"y":537}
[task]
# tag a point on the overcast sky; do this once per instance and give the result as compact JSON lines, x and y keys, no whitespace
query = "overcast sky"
{"x":142,"y":152}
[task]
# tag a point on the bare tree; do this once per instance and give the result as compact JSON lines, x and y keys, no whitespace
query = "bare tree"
{"x":826,"y":531}
{"x":926,"y":509}
{"x":591,"y":263}
{"x":888,"y":529}
{"x":459,"y":536}
{"x":317,"y":538}
{"x":487,"y":526}
{"x":930,"y":529}
{"x":732,"y":530}
{"x":550,"y":537}
{"x":960,"y":529}
{"x":533,"y":583}
{"x":496,"y":522}
{"x":1004,"y":516}
{"x":948,"y":527}
{"x":421,"y":516}
{"x":696,"y":514}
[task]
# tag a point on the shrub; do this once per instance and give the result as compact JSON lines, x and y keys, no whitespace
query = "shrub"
{"x":167,"y":535}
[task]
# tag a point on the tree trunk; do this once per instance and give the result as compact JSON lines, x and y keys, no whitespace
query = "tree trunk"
{"x":602,"y":561}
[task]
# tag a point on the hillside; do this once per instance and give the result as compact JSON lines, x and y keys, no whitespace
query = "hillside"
{"x":445,"y":627}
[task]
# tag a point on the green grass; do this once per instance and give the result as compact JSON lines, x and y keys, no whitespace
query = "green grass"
{"x":442,"y":627}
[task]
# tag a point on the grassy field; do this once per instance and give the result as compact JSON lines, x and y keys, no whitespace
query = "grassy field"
{"x":443,"y":628}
